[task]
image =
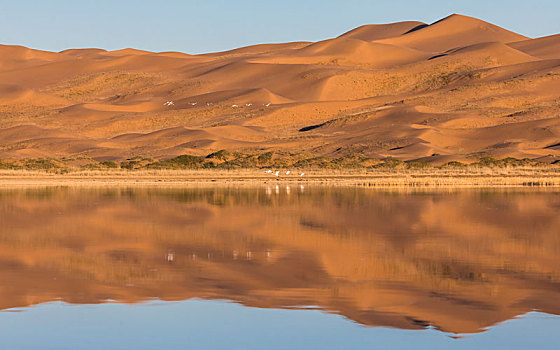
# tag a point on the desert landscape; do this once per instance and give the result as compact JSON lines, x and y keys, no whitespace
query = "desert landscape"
{"x":459,"y":89}
{"x":388,"y":186}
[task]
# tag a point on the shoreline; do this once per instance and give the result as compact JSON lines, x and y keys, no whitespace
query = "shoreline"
{"x":433,"y":178}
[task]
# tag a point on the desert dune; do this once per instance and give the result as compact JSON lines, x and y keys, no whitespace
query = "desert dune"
{"x":456,"y":89}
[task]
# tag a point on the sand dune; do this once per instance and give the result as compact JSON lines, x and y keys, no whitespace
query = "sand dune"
{"x":127,"y":51}
{"x":369,"y":90}
{"x":14,"y":57}
{"x":545,"y":48}
{"x":494,"y":53}
{"x":452,"y":32}
{"x":259,"y":49}
{"x":13,"y":94}
{"x":374,"y":32}
{"x":349,"y":52}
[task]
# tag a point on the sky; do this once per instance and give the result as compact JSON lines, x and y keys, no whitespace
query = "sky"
{"x":198,"y":26}
{"x":198,"y":324}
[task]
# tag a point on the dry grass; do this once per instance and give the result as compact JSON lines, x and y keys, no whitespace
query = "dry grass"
{"x":383,"y":178}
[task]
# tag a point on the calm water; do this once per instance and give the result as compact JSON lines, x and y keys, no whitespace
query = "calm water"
{"x":278,"y":268}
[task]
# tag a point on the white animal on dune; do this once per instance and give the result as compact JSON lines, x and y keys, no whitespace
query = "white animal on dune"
{"x":288,"y":172}
{"x":267,"y":105}
{"x":277,"y":173}
{"x":301,"y":174}
{"x":193,"y":103}
{"x":268,"y":172}
{"x":169,"y":103}
{"x":248,"y":104}
{"x":234,"y":106}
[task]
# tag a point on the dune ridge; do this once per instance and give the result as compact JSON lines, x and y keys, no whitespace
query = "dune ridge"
{"x":456,"y":89}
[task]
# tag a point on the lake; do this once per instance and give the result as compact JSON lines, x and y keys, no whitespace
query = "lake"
{"x":278,"y":267}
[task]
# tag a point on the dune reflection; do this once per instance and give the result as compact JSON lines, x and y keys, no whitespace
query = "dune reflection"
{"x":458,"y":262}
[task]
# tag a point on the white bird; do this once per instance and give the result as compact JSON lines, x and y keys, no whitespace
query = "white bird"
{"x":267,"y":105}
{"x":301,"y":174}
{"x":248,"y":104}
{"x":268,"y":172}
{"x":234,"y":106}
{"x":288,"y":172}
{"x":277,"y":173}
{"x":193,"y":103}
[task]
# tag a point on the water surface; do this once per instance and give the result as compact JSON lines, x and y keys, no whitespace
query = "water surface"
{"x":294,"y":266}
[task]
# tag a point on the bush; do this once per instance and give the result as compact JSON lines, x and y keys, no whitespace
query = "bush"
{"x":131,"y":164}
{"x":453,"y":164}
{"x":389,"y":162}
{"x":488,"y":162}
{"x":265,"y":158}
{"x":185,"y":161}
{"x":9,"y":166}
{"x":109,"y":164}
{"x":418,"y":164}
{"x":507,"y":162}
{"x":41,"y":164}
{"x":220,"y":155}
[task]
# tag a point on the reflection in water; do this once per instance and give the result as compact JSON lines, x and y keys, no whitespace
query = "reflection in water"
{"x":458,"y":261}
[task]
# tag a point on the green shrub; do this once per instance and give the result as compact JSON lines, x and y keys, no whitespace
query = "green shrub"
{"x":219,"y":155}
{"x":488,"y":162}
{"x":265,"y":158}
{"x":453,"y":164}
{"x":389,"y":162}
{"x":418,"y":164}
{"x":185,"y":161}
{"x":9,"y":166}
{"x":41,"y":164}
{"x":131,"y":164}
{"x":109,"y":164}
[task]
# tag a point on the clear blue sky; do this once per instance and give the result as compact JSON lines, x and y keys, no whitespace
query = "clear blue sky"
{"x":209,"y":325}
{"x":196,"y":26}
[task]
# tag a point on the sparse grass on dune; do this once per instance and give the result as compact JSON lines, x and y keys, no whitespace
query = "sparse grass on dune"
{"x":226,"y":160}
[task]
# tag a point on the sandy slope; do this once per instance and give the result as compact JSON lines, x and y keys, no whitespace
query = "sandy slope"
{"x":455,"y":89}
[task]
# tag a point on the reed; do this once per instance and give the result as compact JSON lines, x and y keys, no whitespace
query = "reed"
{"x":372,"y":177}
